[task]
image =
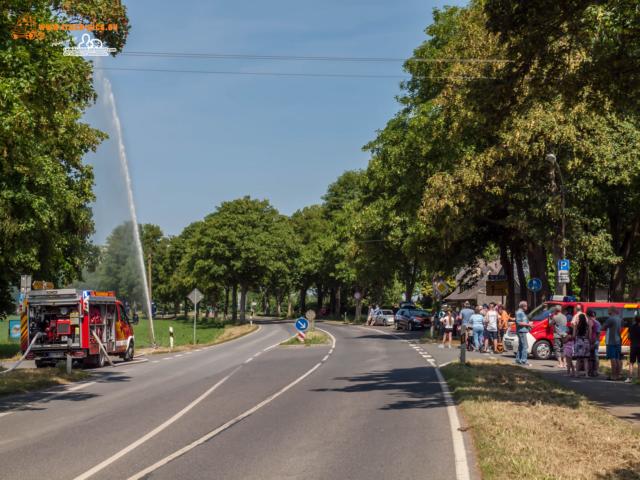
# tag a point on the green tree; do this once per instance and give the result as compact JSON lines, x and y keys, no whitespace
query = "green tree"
{"x":45,"y":188}
{"x":241,"y":243}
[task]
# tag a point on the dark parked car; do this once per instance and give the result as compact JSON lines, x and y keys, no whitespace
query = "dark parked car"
{"x":412,"y":319}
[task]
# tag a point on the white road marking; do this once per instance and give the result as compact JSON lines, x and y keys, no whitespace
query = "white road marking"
{"x":167,"y":358}
{"x":153,"y":432}
{"x":445,"y":364}
{"x":324,"y":359}
{"x":230,"y":423}
{"x":178,"y":356}
{"x":155,"y":361}
{"x":248,"y":360}
{"x":459,"y":450}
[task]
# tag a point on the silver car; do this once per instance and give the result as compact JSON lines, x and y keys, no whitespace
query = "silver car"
{"x":385,"y":317}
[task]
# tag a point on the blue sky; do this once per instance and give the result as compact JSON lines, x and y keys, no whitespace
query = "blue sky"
{"x":195,"y":140}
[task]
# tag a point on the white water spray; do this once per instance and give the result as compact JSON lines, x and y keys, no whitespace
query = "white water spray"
{"x":124,"y":166}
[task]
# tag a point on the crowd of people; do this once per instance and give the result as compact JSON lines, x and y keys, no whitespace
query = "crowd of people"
{"x":483,"y":327}
{"x":576,"y":340}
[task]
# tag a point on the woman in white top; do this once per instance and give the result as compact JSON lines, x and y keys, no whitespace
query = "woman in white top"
{"x":491,"y":325}
{"x":447,"y":323}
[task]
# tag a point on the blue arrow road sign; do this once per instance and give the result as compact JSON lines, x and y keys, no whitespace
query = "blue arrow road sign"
{"x":302,"y":324}
{"x":564,"y":264}
{"x":534,"y":284}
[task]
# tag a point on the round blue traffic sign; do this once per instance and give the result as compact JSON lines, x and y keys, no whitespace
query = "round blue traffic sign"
{"x":534,"y":284}
{"x":302,"y":324}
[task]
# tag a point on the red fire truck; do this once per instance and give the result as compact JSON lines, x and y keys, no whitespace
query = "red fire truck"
{"x":75,"y":322}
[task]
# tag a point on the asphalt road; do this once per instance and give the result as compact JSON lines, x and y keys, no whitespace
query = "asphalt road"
{"x":370,"y":408}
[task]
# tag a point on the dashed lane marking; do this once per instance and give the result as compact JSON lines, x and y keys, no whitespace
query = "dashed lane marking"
{"x":178,"y":453}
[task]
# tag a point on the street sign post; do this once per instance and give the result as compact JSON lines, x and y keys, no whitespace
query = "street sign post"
{"x":195,"y":296}
{"x":564,"y":266}
{"x":311,"y":316}
{"x":301,"y":325}
{"x":534,"y":284}
{"x":25,"y":283}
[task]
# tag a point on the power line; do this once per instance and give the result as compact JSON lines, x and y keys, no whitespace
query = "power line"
{"x":272,"y":74}
{"x":323,"y":58}
{"x":291,"y":74}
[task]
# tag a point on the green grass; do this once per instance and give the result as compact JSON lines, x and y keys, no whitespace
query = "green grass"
{"x":526,"y":427}
{"x":29,"y":380}
{"x":8,"y":348}
{"x":207,"y":331}
{"x":317,"y":337}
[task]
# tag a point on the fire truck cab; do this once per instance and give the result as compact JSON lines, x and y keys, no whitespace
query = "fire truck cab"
{"x":69,"y":320}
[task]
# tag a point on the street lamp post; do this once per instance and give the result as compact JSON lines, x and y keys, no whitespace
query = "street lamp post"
{"x":551,"y":158}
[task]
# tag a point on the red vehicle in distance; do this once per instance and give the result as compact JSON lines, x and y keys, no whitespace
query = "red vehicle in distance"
{"x":540,"y":337}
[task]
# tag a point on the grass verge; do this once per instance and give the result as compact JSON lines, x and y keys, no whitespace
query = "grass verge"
{"x":8,"y":348}
{"x":31,"y":379}
{"x":317,"y":337}
{"x":527,"y":427}
{"x":224,"y":334}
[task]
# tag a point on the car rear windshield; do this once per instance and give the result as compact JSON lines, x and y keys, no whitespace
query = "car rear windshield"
{"x":387,"y":312}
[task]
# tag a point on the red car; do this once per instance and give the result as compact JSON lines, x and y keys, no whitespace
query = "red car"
{"x":540,"y":337}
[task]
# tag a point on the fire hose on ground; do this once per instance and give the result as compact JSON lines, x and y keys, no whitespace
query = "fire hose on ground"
{"x":35,"y":337}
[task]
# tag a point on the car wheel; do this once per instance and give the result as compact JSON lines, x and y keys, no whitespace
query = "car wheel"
{"x":542,"y":350}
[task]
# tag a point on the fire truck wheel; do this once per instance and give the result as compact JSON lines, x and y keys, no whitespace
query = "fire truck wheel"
{"x":128,"y":355}
{"x":101,"y":360}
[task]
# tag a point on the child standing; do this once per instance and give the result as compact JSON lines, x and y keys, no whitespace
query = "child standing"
{"x":568,"y":353}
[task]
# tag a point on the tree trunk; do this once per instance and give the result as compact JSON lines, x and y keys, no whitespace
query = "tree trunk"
{"x":522,"y":280}
{"x":320,"y":298}
{"x":507,"y":266}
{"x":537,"y":259}
{"x":303,"y":299}
{"x":358,"y":307}
{"x":266,"y":307}
{"x":338,"y":301}
{"x":278,"y":305}
{"x":226,"y":302}
{"x":234,"y":302}
{"x":243,"y":303}
{"x":289,"y":307}
{"x":332,"y":300}
{"x":624,"y":249}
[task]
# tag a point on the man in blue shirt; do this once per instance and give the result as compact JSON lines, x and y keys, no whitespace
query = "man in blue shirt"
{"x":465,"y":317}
{"x":522,"y":330}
